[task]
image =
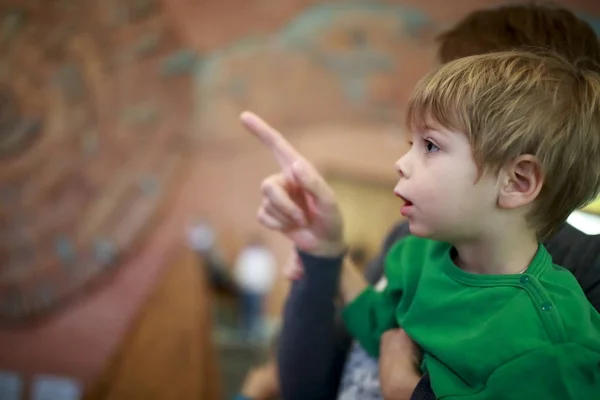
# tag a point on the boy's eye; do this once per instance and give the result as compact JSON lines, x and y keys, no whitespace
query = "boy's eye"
{"x":430,"y":147}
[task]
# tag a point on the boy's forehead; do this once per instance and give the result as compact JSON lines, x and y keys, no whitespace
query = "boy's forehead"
{"x":426,"y":124}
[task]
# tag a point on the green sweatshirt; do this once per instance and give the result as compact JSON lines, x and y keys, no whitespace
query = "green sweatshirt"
{"x":527,"y":336}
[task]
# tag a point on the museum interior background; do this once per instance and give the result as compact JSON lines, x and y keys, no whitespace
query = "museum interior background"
{"x":119,"y":133}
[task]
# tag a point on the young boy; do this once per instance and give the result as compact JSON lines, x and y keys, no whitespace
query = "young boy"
{"x":504,"y":147}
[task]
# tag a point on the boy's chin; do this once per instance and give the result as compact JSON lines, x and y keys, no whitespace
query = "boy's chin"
{"x":419,"y":230}
{"x":424,"y":231}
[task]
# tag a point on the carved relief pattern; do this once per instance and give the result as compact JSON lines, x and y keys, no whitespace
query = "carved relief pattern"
{"x":333,"y":62}
{"x":95,"y":112}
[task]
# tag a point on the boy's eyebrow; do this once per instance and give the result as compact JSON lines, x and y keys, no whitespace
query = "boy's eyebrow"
{"x":427,"y":127}
{"x":425,"y":123}
{"x":432,"y":126}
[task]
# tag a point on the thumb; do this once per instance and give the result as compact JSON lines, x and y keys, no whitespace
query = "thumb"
{"x":312,"y":182}
{"x":293,"y":269}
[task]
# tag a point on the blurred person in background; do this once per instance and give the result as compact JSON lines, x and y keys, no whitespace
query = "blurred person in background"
{"x":254,"y":272}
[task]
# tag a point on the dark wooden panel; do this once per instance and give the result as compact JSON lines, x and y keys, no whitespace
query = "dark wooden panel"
{"x":168,"y":354}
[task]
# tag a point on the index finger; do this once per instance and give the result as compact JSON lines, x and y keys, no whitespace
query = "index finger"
{"x":284,"y":152}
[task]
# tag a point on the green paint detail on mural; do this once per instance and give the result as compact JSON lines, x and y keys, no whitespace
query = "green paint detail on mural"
{"x":11,"y":24}
{"x":302,"y":34}
{"x":70,"y":79}
{"x":65,"y":250}
{"x":147,"y":44}
{"x":237,"y":88}
{"x":143,"y":114}
{"x":182,"y":62}
{"x":149,"y":185}
{"x":105,"y":251}
{"x":318,"y":19}
{"x":90,"y":142}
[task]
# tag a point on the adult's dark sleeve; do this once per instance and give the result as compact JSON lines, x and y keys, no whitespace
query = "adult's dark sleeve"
{"x":308,"y":347}
{"x":580,"y":254}
{"x":314,"y":342}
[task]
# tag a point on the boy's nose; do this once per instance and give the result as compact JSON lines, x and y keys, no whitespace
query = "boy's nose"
{"x":402,"y":166}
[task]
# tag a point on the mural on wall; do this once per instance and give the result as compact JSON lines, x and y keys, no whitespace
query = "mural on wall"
{"x":337,"y":62}
{"x":334,"y":62}
{"x":98,"y":100}
{"x":95,"y":114}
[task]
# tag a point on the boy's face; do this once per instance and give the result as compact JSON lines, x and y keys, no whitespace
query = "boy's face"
{"x":439,"y":182}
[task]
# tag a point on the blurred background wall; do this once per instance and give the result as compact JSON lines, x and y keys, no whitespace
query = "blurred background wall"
{"x":119,"y":128}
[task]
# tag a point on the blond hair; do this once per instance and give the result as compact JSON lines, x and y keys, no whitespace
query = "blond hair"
{"x":514,"y":103}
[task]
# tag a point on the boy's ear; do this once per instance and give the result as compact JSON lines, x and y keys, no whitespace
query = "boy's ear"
{"x":521,"y":182}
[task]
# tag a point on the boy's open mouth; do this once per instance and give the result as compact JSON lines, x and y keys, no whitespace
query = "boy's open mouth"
{"x":406,"y":208}
{"x":404,"y":199}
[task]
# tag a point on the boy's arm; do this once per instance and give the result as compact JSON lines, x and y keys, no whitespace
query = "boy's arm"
{"x":370,"y":315}
{"x":565,"y":371}
{"x":352,"y":282}
{"x":370,"y":312}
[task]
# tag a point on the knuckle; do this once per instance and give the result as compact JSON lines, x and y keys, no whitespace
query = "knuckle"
{"x":264,"y":204}
{"x":260,"y":214}
{"x":328,"y":202}
{"x":266,"y":186}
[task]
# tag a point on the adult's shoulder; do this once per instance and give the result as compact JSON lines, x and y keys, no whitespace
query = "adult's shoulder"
{"x":579,"y":253}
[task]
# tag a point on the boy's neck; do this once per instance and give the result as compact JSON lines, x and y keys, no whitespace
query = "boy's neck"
{"x":507,"y":254}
